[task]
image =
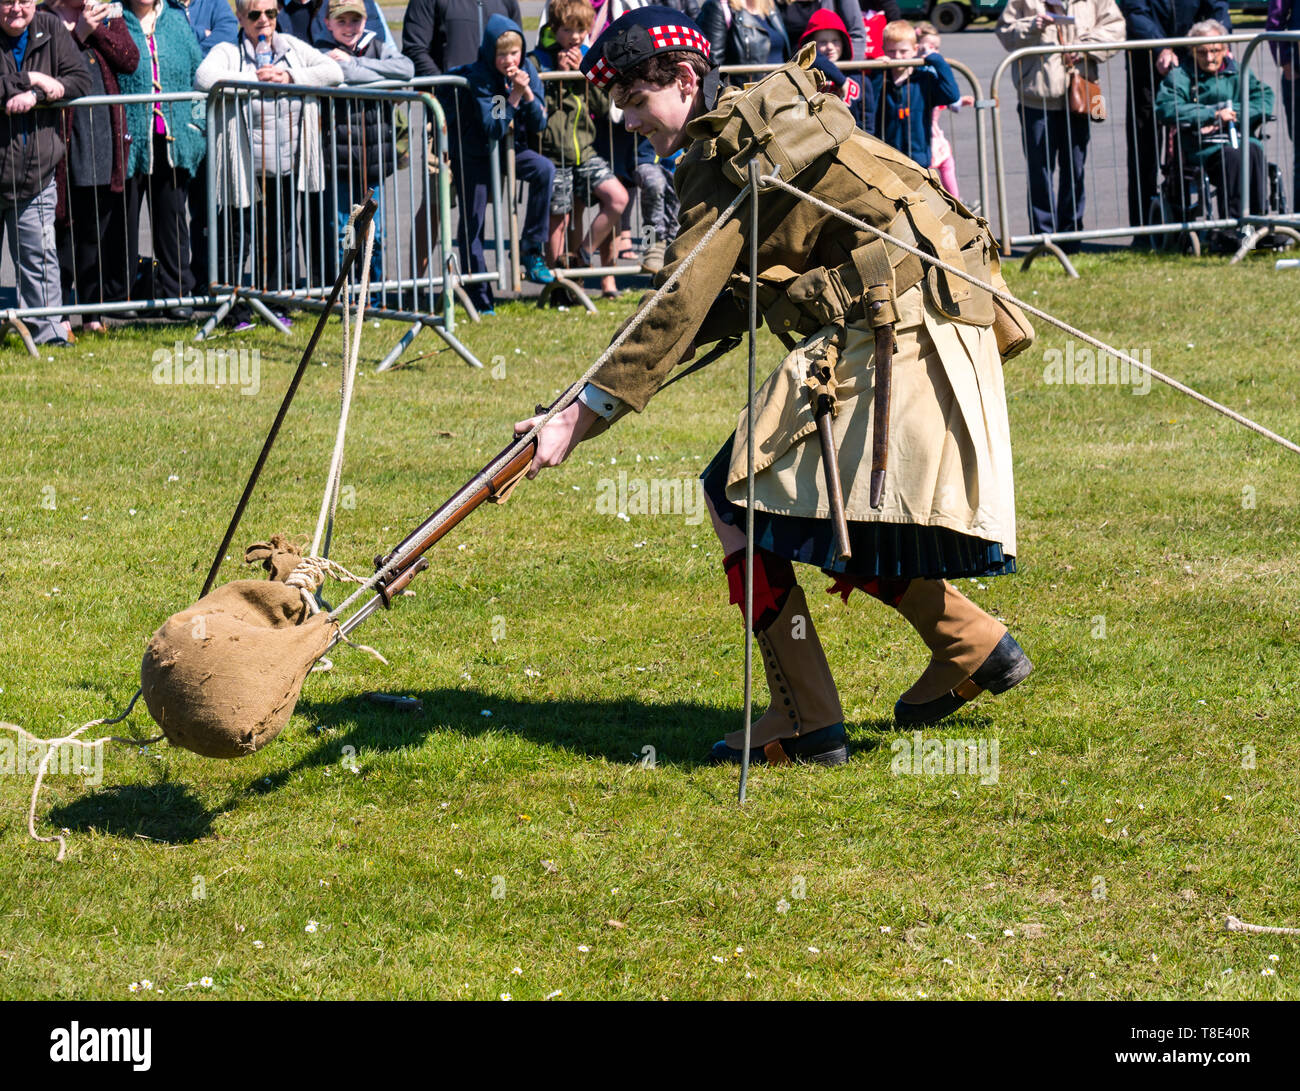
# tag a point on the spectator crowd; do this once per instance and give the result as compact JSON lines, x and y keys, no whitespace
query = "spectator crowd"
{"x":284,"y":170}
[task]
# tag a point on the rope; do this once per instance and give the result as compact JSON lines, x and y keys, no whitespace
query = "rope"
{"x":565,"y":400}
{"x":1007,"y":297}
{"x":351,"y":351}
{"x":310,"y":573}
{"x":51,"y":745}
{"x":1232,"y":924}
{"x":307,"y":577}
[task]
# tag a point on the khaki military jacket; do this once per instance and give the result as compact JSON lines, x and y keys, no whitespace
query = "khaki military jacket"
{"x":950,"y":459}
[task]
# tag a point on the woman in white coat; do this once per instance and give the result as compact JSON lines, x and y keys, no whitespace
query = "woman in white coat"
{"x":267,"y":156}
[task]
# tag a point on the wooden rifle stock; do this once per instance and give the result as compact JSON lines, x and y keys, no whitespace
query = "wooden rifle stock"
{"x":492,"y":484}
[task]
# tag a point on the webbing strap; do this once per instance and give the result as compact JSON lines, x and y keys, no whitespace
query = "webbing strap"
{"x":944,"y":241}
{"x":761,"y":133}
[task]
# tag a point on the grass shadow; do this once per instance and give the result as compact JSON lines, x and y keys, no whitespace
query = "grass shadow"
{"x":169,"y":812}
{"x":617,"y":731}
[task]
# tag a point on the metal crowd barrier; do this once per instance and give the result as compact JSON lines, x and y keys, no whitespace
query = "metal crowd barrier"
{"x":417,"y":256}
{"x":115,"y":290}
{"x":954,"y":122}
{"x":1287,"y":98}
{"x":1158,"y":218}
{"x":278,"y":213}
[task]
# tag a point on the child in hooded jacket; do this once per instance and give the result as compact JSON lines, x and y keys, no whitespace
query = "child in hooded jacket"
{"x":504,"y":89}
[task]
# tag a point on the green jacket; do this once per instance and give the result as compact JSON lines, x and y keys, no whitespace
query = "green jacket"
{"x":1189,"y":98}
{"x":178,"y":60}
{"x":574,"y":109}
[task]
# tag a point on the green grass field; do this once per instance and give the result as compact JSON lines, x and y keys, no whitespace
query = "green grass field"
{"x":1146,"y":783}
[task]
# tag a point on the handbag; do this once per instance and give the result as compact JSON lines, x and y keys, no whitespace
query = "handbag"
{"x":1085,"y":96}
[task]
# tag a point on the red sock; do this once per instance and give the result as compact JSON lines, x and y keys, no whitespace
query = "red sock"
{"x":773,"y":581}
{"x":890,"y":592}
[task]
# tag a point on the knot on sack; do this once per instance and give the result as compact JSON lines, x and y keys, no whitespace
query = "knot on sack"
{"x":309,"y":576}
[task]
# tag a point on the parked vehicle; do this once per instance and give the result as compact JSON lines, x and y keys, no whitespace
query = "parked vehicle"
{"x":951,"y":15}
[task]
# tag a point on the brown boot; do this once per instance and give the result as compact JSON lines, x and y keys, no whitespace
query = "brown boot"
{"x":805,"y":720}
{"x":970,"y":652}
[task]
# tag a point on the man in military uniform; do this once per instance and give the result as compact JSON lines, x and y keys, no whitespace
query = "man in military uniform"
{"x":946,"y":509}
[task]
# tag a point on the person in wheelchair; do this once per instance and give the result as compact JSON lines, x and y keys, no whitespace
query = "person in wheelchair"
{"x":1203,"y":103}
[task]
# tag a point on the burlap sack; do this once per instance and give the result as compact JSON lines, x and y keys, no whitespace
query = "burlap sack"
{"x":222,"y":677}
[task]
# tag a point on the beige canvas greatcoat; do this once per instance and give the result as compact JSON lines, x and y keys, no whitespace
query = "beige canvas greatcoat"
{"x":949,"y":440}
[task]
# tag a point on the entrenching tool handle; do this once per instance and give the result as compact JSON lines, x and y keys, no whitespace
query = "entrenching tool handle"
{"x":831,"y":468}
{"x":880,"y":420}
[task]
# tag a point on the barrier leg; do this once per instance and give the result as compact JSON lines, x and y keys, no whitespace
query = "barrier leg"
{"x":1049,"y":247}
{"x":223,"y":309}
{"x":1258,"y":232}
{"x":265,"y":311}
{"x":400,"y":347}
{"x":453,"y":342}
{"x":11,"y":319}
{"x":463,"y":296}
{"x":572,"y":286}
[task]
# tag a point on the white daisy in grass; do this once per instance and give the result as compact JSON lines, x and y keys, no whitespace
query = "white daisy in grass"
{"x":583,"y":948}
{"x":717,"y":958}
{"x":258,"y":944}
{"x":1267,"y":971}
{"x":311,"y":926}
{"x":1274,"y":958}
{"x":506,"y":996}
{"x":133,"y":987}
{"x":146,"y":984}
{"x":206,"y":982}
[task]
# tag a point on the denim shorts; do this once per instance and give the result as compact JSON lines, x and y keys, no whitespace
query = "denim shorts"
{"x":591,"y":172}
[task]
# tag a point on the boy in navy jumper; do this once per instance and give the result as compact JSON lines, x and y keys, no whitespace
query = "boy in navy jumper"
{"x":504,"y":87}
{"x":906,"y":96}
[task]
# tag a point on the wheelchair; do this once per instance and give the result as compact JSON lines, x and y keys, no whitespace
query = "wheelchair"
{"x":1187,"y":188}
